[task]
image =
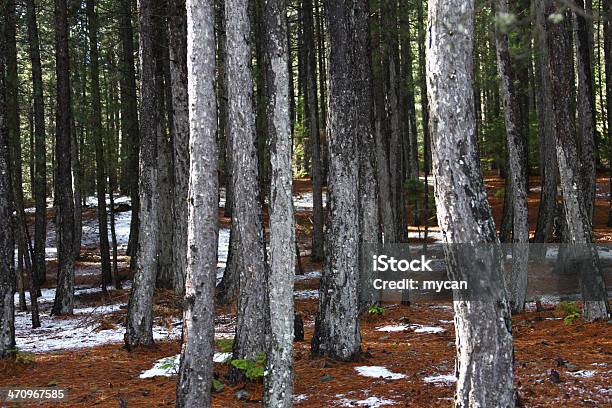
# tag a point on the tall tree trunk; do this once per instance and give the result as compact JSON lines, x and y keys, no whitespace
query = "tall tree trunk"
{"x":279,"y":362}
{"x":177,"y":34}
{"x":251,"y":321}
{"x":314,"y":132}
{"x":64,"y":295}
{"x":96,"y":107}
{"x":607,"y":11}
{"x":129,"y":118}
{"x":140,"y":308}
{"x":575,"y":211}
{"x":337,"y":325}
{"x":423,"y":87}
{"x":7,"y":245}
{"x":548,"y":157}
{"x":517,"y":280}
{"x":196,"y":371}
{"x":39,"y":182}
{"x":369,"y":231}
{"x":585,"y":103}
{"x":483,"y":327}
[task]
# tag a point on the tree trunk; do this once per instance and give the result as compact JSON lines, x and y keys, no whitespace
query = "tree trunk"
{"x":39,"y":182}
{"x":516,"y":281}
{"x":279,"y":381}
{"x":196,"y":371}
{"x":177,"y":34}
{"x":223,"y":110}
{"x":548,"y":157}
{"x":575,"y":211}
{"x":140,"y":308}
{"x":483,"y":327}
{"x":96,"y":107}
{"x":129,"y":118}
{"x":314,"y":132}
{"x":369,"y":231}
{"x":337,"y":325}
{"x":7,"y":245}
{"x":64,"y":296}
{"x":251,"y":321}
{"x":607,"y":10}
{"x":585,"y":104}
{"x":423,"y":88}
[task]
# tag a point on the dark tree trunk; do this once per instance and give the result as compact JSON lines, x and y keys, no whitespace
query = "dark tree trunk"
{"x":247,"y":214}
{"x":279,"y":362}
{"x":129,"y":118}
{"x":516,"y":281}
{"x":585,"y":104}
{"x":575,"y":211}
{"x":7,"y":245}
{"x":96,"y":107}
{"x":314,"y":131}
{"x":423,"y":88}
{"x":548,"y":157}
{"x":177,"y":34}
{"x":39,"y":184}
{"x":337,"y":325}
{"x":369,"y":231}
{"x":607,"y":10}
{"x":64,"y":296}
{"x":196,"y":372}
{"x":140,"y":308}
{"x":483,"y":327}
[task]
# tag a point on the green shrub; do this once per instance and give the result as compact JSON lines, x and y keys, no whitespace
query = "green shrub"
{"x":571,"y":311}
{"x":253,"y":368}
{"x":376,"y":310}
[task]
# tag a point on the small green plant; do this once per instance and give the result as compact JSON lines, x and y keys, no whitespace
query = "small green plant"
{"x":23,"y":357}
{"x":571,"y":310}
{"x":224,"y":345}
{"x":253,"y":368}
{"x":376,"y":310}
{"x":217,"y":385}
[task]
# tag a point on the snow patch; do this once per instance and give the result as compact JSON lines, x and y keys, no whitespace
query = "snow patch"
{"x":443,"y":379}
{"x":392,"y":328}
{"x":169,"y":366}
{"x":583,"y":373}
{"x":378,"y":372}
{"x":427,"y":329}
{"x":370,"y":402}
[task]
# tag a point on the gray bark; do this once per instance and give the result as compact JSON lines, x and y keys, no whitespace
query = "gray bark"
{"x":177,"y":34}
{"x":423,"y":89}
{"x":96,"y":106}
{"x":585,"y":104}
{"x":516,"y":281}
{"x":7,"y":245}
{"x":369,"y":231}
{"x":247,"y":211}
{"x":279,"y":363}
{"x":483,"y":328}
{"x":548,"y":157}
{"x":140,"y":309}
{"x":337,"y":325}
{"x":40,"y":151}
{"x":313,"y":127}
{"x":64,"y":295}
{"x":196,"y":371}
{"x":578,"y":222}
{"x":607,"y":10}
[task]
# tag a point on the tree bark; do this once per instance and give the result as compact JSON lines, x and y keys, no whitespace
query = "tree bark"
{"x":516,"y":280}
{"x":39,"y":182}
{"x":483,"y":327}
{"x":196,"y":371}
{"x":279,"y":362}
{"x":317,"y":253}
{"x":585,"y":104}
{"x":140,"y":309}
{"x":337,"y":325}
{"x":578,"y":222}
{"x":96,"y":107}
{"x":7,"y":245}
{"x":607,"y":10}
{"x":251,"y":321}
{"x":423,"y":88}
{"x":64,"y":295}
{"x":548,"y":158}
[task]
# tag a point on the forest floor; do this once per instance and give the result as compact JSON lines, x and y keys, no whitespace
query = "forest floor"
{"x":408,"y":352}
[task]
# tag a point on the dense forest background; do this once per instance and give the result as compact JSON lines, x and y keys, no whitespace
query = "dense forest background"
{"x":401,"y":121}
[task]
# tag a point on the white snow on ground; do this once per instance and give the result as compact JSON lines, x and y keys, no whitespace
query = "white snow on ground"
{"x":48,"y":294}
{"x":392,"y":328}
{"x":378,"y":372}
{"x":308,"y":276}
{"x":169,"y":366}
{"x":443,"y":379}
{"x":427,"y":329}
{"x":370,"y":402}
{"x":306,"y":294}
{"x":303,"y":201}
{"x":583,"y":373}
{"x":300,"y":397}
